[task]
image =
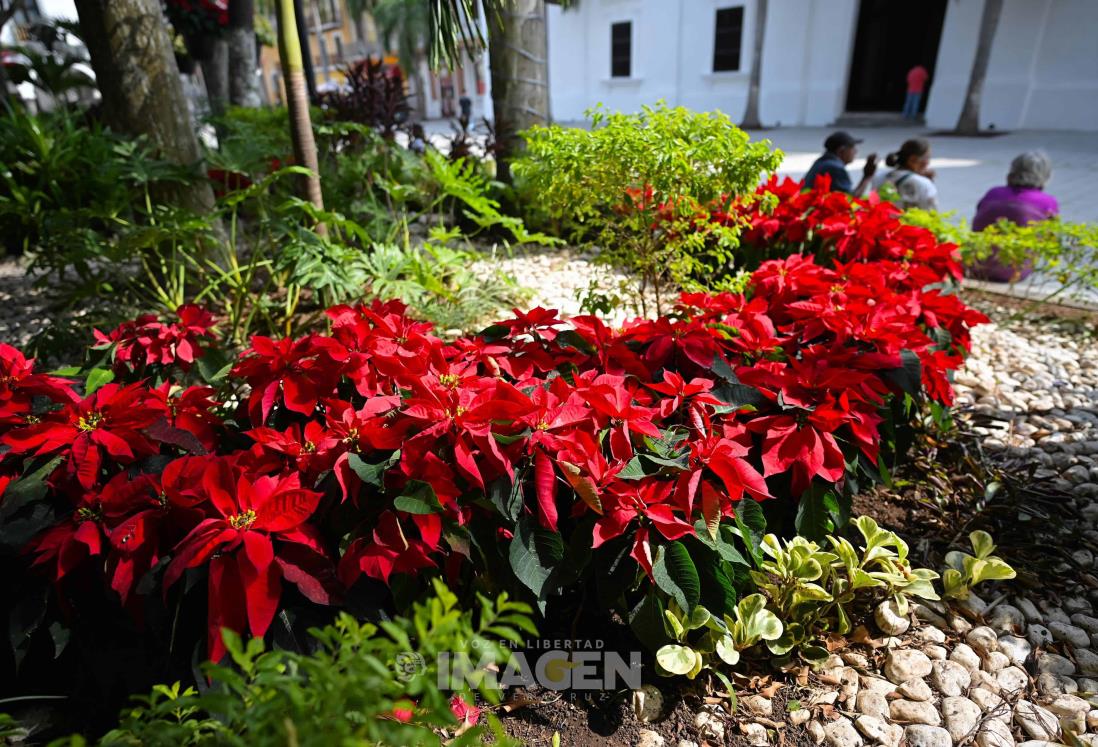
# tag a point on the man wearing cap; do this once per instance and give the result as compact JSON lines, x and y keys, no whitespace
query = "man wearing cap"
{"x":839,"y":150}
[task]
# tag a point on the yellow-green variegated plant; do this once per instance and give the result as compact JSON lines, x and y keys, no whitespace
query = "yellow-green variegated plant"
{"x":965,"y":571}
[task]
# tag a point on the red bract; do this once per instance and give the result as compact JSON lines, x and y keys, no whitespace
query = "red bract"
{"x":246,"y":567}
{"x":303,"y":371}
{"x":146,"y":341}
{"x":19,"y":385}
{"x":108,"y":423}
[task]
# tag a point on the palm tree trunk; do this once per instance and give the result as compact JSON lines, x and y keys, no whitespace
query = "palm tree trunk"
{"x":304,"y":51}
{"x":243,"y":82}
{"x":751,"y":115}
{"x":297,"y":99}
{"x":518,"y":62}
{"x":215,"y":74}
{"x":136,"y":73}
{"x":969,"y":121}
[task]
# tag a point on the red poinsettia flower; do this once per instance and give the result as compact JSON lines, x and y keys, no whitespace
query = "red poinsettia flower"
{"x":257,"y":536}
{"x":109,"y":423}
{"x":19,"y":385}
{"x":303,"y":371}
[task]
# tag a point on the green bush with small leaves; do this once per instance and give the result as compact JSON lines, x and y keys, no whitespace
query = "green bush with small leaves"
{"x":965,"y":571}
{"x":365,"y":684}
{"x":609,"y":183}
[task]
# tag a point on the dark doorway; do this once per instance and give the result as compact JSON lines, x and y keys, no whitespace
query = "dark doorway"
{"x":892,"y":37}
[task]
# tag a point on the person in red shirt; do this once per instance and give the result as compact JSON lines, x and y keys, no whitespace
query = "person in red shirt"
{"x":916,"y":83}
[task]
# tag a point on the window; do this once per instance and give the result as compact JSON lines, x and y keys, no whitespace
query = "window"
{"x":337,"y":39}
{"x":621,"y":49}
{"x":329,"y":12}
{"x":727,"y":40}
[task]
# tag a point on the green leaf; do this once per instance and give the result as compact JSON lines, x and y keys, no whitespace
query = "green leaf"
{"x":372,"y":474}
{"x":814,"y":513}
{"x":675,"y":575}
{"x":506,"y":497}
{"x":417,"y":498}
{"x":908,"y":377}
{"x":648,"y":623}
{"x":677,"y":659}
{"x":535,"y":554}
{"x":751,"y":524}
{"x":726,"y":649}
{"x":982,"y":544}
{"x":97,"y":377}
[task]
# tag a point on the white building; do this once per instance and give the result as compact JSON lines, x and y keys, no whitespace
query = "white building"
{"x":826,"y":59}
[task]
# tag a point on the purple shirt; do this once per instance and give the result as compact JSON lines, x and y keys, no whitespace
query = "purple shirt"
{"x":1020,"y":205}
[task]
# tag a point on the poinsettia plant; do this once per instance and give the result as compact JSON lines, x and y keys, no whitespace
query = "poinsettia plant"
{"x":545,"y":455}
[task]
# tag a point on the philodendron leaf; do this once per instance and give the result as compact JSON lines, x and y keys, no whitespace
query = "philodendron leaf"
{"x":991,"y":569}
{"x":982,"y":544}
{"x":677,"y":659}
{"x":954,"y":584}
{"x":726,"y":649}
{"x":755,"y":621}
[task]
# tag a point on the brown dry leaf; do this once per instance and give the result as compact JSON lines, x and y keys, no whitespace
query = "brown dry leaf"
{"x":861,"y":635}
{"x":830,"y":712}
{"x":835,"y":643}
{"x":829,"y":679}
{"x":771,"y":689}
{"x":710,"y":700}
{"x":802,"y":676}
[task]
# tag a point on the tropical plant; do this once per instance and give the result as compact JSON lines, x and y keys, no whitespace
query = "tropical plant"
{"x":966,"y":571}
{"x":365,"y":684}
{"x":640,"y":186}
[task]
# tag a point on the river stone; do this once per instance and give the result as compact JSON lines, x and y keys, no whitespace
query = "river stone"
{"x":965,"y":656}
{"x":916,"y":690}
{"x":949,"y":678}
{"x":756,"y":735}
{"x":841,"y":733}
{"x":1088,"y":662}
{"x":930,"y":634}
{"x":1037,"y":722}
{"x":1055,"y":684}
{"x":914,"y":712}
{"x":961,"y":716}
{"x":815,"y":730}
{"x":983,"y":639}
{"x":1038,"y":635}
{"x":985,"y":680}
{"x":905,"y":664}
{"x":759,"y":705}
{"x":1068,"y":633}
{"x":986,"y":700}
{"x":1006,"y":618}
{"x":1086,"y":622}
{"x":920,"y":735}
{"x":1092,"y":720}
{"x":1029,"y":609}
{"x":1054,"y":663}
{"x":888,"y":618}
{"x":936,"y":652}
{"x":996,"y":661}
{"x":872,"y":704}
{"x":877,"y":685}
{"x":1012,"y":681}
{"x":879,"y":730}
{"x":649,"y":738}
{"x":994,"y":733}
{"x":1016,"y":649}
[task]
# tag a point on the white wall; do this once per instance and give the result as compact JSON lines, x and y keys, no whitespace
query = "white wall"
{"x":806,"y":55}
{"x":1043,"y":71}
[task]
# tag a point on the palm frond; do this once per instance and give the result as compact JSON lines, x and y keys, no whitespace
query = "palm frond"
{"x":454,"y":28}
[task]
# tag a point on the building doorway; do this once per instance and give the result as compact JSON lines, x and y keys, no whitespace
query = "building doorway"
{"x":891,"y":38}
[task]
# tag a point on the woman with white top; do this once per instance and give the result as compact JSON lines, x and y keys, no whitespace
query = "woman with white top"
{"x":911,"y":175}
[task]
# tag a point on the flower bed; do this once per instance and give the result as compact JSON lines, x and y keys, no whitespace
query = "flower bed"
{"x":541,"y":455}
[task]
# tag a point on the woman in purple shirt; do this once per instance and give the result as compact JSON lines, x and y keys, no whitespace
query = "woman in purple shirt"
{"x":1021,"y":201}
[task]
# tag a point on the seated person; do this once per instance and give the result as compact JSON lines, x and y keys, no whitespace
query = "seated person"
{"x":1023,"y":200}
{"x":840,"y":148}
{"x":911,"y":175}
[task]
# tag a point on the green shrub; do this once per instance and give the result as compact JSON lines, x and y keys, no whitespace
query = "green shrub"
{"x":965,"y":571}
{"x":1065,"y":252}
{"x":609,"y":184}
{"x":365,"y":684}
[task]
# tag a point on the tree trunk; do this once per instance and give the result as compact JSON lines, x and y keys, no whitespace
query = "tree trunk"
{"x":243,"y":61}
{"x":297,"y":100}
{"x":518,"y":63}
{"x":751,"y":115}
{"x":215,"y":74}
{"x":304,"y":53}
{"x":137,"y":75}
{"x":969,"y":121}
{"x":421,"y":89}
